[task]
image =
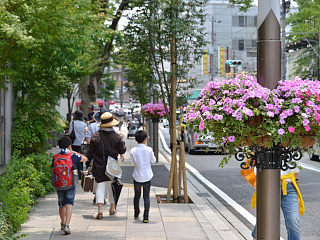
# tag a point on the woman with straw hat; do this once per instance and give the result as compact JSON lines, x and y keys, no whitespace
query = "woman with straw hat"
{"x":105,"y":142}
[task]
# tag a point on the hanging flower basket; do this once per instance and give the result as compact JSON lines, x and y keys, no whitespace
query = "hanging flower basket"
{"x":240,"y":112}
{"x":153,"y":110}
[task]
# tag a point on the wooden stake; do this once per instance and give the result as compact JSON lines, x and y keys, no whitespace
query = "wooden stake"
{"x":182,"y":162}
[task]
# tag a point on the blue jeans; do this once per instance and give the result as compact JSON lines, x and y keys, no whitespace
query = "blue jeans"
{"x":146,"y":197}
{"x":290,"y":209}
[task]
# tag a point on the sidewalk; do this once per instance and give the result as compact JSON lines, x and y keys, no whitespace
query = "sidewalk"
{"x":197,"y":220}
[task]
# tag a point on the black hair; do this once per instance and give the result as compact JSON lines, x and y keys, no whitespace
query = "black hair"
{"x":64,"y":142}
{"x":140,"y":136}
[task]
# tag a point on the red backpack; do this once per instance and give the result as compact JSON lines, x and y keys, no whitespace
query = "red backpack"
{"x":62,"y":171}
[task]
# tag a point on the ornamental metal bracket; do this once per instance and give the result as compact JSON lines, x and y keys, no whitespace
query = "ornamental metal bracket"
{"x":268,"y":158}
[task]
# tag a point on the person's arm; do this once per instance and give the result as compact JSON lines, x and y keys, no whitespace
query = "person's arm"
{"x":83,"y":157}
{"x":152,"y":157}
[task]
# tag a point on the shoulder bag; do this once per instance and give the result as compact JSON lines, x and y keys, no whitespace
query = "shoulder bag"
{"x":72,"y":135}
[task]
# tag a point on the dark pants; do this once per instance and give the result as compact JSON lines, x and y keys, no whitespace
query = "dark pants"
{"x":146,"y":197}
{"x":79,"y":164}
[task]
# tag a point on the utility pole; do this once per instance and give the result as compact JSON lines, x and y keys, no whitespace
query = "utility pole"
{"x":213,"y":40}
{"x":285,"y":9}
{"x":269,"y":73}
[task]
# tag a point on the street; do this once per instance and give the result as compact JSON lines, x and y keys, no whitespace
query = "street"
{"x":231,"y":183}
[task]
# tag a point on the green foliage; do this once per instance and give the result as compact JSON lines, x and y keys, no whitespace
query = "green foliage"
{"x":107,"y":87}
{"x":242,"y":4}
{"x":46,"y":47}
{"x":25,"y":180}
{"x":146,"y":46}
{"x":305,"y":23}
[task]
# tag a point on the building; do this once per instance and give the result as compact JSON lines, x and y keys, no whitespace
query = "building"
{"x":232,"y":35}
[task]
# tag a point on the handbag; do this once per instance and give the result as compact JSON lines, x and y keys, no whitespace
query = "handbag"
{"x":113,"y":168}
{"x":72,"y":135}
{"x":84,"y":148}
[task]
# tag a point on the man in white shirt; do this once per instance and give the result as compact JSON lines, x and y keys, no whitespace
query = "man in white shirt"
{"x":142,"y":156}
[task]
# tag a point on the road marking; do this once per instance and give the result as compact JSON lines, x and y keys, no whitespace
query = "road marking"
{"x":214,"y":188}
{"x":310,"y":167}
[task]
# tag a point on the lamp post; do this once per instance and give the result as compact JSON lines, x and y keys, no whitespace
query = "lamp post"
{"x":213,"y":39}
{"x":269,"y":73}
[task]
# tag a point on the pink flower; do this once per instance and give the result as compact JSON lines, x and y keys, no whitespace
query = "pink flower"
{"x":195,"y":137}
{"x":291,"y":129}
{"x":307,"y":128}
{"x":281,"y":131}
{"x":231,"y":138}
{"x":201,"y":126}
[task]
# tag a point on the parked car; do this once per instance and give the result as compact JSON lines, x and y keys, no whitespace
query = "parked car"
{"x":186,"y":134}
{"x":314,"y":152}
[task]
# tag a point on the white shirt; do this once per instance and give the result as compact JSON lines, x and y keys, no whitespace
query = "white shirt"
{"x":142,"y":156}
{"x":93,"y":127}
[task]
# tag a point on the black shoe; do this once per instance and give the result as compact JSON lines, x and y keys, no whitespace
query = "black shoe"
{"x":145,"y":220}
{"x":314,"y":157}
{"x":136,"y":214}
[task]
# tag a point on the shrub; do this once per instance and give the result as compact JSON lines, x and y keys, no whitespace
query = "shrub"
{"x":25,"y":179}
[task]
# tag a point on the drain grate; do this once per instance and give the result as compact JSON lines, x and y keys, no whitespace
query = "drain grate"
{"x":203,"y":194}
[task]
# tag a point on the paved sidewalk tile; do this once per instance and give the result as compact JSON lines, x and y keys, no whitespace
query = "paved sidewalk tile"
{"x":168,"y":221}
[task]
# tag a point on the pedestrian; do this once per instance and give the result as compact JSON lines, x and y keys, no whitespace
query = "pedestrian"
{"x":292,"y":204}
{"x":105,"y":142}
{"x":90,"y":114}
{"x":142,"y":156}
{"x":66,"y":192}
{"x":80,"y":132}
{"x":120,"y":115}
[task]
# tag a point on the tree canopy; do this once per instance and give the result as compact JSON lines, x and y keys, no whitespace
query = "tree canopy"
{"x":305,"y":24}
{"x":45,"y":48}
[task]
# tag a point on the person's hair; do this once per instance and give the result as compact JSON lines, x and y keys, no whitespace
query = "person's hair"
{"x":64,"y":142}
{"x":140,"y":136}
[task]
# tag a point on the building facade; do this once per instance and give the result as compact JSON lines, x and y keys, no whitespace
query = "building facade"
{"x":231,"y":35}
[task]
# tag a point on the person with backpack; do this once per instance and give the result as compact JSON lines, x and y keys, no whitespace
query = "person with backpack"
{"x":65,"y":179}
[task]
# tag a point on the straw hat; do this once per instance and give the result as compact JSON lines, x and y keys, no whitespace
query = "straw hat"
{"x":97,"y":116}
{"x":107,"y":120}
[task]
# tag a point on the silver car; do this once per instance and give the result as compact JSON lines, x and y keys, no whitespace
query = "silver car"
{"x":193,"y":145}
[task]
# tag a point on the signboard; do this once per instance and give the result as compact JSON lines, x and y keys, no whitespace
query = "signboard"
{"x":205,"y":63}
{"x":222,"y":61}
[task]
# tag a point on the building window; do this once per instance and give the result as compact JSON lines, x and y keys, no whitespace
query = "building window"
{"x":241,"y":21}
{"x":241,"y":45}
{"x":244,"y":21}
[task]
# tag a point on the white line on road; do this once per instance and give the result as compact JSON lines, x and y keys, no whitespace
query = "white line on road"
{"x":310,"y":167}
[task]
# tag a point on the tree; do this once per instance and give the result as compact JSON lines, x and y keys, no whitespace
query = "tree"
{"x":305,"y":24}
{"x":46,"y":47}
{"x":112,"y":12}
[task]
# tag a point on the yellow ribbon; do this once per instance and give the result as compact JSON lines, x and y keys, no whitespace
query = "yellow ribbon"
{"x":284,"y":191}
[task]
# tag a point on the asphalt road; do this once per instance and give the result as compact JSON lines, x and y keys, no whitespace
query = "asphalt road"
{"x":229,"y":180}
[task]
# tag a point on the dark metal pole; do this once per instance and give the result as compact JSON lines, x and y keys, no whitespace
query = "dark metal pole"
{"x":155,"y":133}
{"x":269,"y":73}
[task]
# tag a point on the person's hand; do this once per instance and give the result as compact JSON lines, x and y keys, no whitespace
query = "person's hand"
{"x":122,"y":157}
{"x":121,"y":134}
